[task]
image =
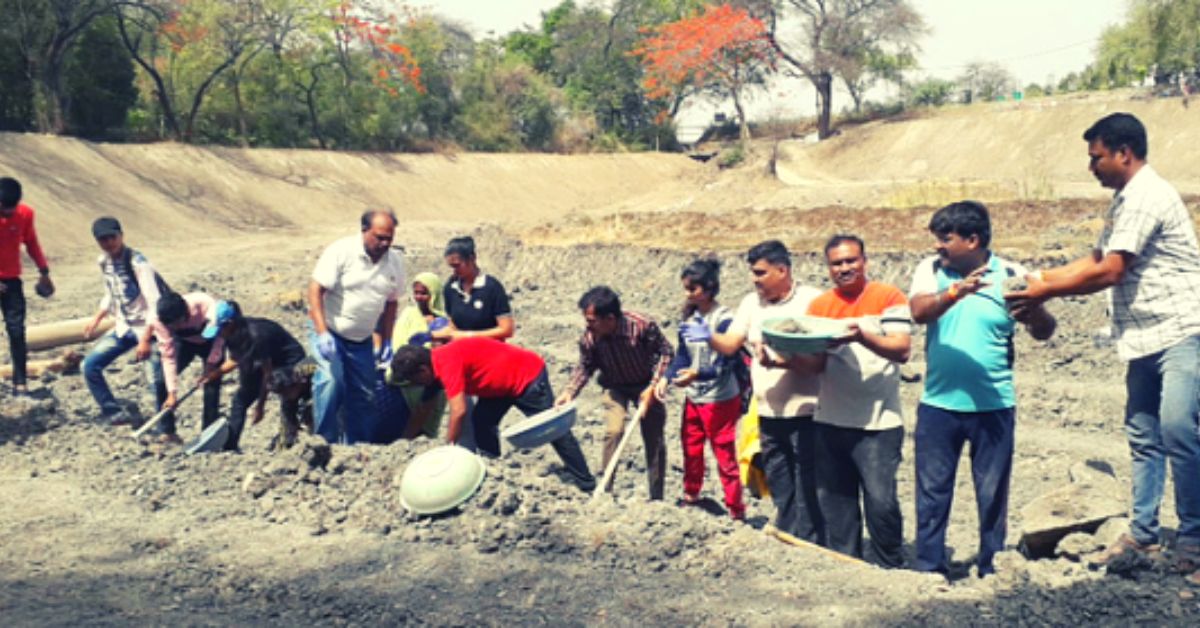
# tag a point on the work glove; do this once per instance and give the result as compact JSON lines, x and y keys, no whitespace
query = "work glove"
{"x":326,"y":346}
{"x":696,"y":330}
{"x":438,"y":323}
{"x":420,"y":339}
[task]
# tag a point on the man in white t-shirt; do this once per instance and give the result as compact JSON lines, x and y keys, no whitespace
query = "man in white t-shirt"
{"x":1148,"y":256}
{"x":786,"y":397}
{"x":353,"y":294}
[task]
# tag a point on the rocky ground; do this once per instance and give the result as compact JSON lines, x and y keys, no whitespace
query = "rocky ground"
{"x":100,"y":529}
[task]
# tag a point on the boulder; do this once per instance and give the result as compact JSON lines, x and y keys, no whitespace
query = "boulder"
{"x":1093,"y":497}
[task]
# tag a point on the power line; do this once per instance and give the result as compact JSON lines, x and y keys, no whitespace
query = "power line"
{"x":1031,"y":55}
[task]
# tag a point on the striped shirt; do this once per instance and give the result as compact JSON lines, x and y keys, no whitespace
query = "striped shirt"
{"x":1156,"y":304}
{"x":635,"y":354}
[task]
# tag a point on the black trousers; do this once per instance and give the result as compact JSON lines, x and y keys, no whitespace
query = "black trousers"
{"x":854,"y":464}
{"x":12,"y":302}
{"x":789,"y":462}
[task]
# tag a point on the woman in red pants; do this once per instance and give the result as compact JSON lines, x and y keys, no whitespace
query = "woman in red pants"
{"x":713,"y":391}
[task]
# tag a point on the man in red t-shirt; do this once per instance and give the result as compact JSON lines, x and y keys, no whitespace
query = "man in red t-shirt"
{"x":501,"y":376}
{"x":16,"y":228}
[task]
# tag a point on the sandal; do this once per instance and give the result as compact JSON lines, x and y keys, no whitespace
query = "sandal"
{"x":1185,"y":559}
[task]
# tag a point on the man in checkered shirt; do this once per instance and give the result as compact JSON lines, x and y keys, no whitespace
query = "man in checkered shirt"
{"x":1148,"y":255}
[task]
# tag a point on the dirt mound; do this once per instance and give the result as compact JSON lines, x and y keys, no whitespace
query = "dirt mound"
{"x":991,"y":151}
{"x":177,"y":193}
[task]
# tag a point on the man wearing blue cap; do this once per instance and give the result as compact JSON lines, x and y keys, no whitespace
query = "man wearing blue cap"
{"x":268,"y":360}
{"x":186,"y":330}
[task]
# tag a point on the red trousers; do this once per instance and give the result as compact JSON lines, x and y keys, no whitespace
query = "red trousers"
{"x":716,"y":423}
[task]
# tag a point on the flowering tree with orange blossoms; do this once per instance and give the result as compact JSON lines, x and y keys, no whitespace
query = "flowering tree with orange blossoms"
{"x":395,"y":66}
{"x":723,"y":51}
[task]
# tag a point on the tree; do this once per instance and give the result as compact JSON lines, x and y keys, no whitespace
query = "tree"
{"x":183,"y":46}
{"x":986,"y":80}
{"x":863,"y":71}
{"x":931,"y":93}
{"x":44,"y":32}
{"x":99,"y":81}
{"x":723,"y":51}
{"x":833,"y":34}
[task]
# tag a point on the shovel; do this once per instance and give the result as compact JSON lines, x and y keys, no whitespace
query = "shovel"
{"x":162,"y":413}
{"x":612,"y":463}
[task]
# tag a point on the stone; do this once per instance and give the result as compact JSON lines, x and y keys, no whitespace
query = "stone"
{"x":1076,"y":545}
{"x":1078,"y":507}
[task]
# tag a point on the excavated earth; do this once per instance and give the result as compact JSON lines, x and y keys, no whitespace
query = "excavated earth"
{"x":101,"y":529}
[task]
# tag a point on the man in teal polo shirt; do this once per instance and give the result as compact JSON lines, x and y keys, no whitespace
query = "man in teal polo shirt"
{"x":969,"y":395}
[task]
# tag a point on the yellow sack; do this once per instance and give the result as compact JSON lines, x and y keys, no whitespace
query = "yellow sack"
{"x":747,"y":448}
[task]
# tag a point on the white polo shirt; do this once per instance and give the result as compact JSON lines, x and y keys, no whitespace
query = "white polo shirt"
{"x":781,"y":392}
{"x":357,"y":289}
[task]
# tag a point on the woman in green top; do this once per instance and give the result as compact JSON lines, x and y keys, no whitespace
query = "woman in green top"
{"x":426,"y":406}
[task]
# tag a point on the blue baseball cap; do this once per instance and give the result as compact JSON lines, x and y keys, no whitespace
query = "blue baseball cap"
{"x":225,"y":313}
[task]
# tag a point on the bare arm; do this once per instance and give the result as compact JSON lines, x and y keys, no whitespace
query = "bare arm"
{"x":1085,"y":275}
{"x":385,"y":325}
{"x":458,"y":412}
{"x":927,"y":308}
{"x":316,"y":306}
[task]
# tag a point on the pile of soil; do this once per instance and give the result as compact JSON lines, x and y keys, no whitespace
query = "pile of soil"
{"x":102,"y":529}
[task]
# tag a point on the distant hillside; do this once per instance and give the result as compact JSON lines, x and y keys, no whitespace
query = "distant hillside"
{"x":994,"y":151}
{"x":176,"y":193}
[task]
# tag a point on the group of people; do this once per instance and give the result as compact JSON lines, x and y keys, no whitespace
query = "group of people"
{"x":830,"y":423}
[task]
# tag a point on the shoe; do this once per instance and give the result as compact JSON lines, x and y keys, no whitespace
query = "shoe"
{"x":120,"y":418}
{"x":20,"y":390}
{"x":1125,"y":549}
{"x":687,"y":501}
{"x":169,"y":439}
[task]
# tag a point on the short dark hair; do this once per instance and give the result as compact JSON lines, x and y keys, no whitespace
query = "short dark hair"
{"x":369,"y":216}
{"x":773,"y":251}
{"x":171,"y":308}
{"x":1117,"y":131}
{"x":706,"y":273}
{"x":408,"y":360}
{"x":965,"y":219}
{"x":603,"y":301}
{"x":462,"y":246}
{"x":10,"y":192}
{"x":843,"y":238}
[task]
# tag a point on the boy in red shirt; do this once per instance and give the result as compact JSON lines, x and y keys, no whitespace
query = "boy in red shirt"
{"x":501,"y":376}
{"x":16,"y":228}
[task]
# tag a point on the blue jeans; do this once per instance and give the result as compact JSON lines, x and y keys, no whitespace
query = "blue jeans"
{"x":939,"y":440}
{"x":346,"y":384}
{"x":1161,"y":423}
{"x":109,"y":348}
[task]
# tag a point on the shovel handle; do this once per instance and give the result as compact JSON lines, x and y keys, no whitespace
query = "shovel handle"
{"x":612,"y":462}
{"x":162,"y":413}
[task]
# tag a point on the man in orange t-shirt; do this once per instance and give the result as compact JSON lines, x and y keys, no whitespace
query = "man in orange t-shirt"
{"x":858,"y":426}
{"x":16,"y":228}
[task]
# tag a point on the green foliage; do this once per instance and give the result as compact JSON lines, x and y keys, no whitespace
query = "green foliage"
{"x":931,"y":93}
{"x":732,"y":156}
{"x":99,"y":80}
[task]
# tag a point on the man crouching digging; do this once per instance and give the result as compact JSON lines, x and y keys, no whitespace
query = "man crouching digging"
{"x":501,"y":376}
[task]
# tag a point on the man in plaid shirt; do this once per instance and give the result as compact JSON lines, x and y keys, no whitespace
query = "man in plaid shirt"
{"x":631,"y":353}
{"x":1148,"y":255}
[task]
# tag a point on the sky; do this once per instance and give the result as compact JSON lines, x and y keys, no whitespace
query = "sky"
{"x":1036,"y":40}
